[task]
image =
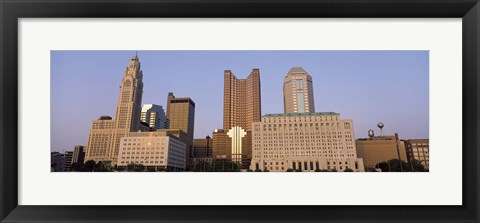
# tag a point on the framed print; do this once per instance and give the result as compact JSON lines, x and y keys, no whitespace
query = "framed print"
{"x":198,"y":111}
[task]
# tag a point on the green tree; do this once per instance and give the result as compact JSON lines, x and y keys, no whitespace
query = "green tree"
{"x":289,"y":170}
{"x":89,"y":166}
{"x":348,"y":170}
{"x":416,"y":166}
{"x":394,"y":165}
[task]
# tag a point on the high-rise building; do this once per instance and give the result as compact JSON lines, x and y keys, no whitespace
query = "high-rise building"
{"x":418,"y":149}
{"x":377,"y":149}
{"x":241,"y":100}
{"x":304,"y":142}
{"x":241,"y":107}
{"x":298,"y":91}
{"x":105,"y":135}
{"x":154,"y":116}
{"x":181,"y":114}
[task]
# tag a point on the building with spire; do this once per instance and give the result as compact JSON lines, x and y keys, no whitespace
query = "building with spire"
{"x":105,"y":134}
{"x":298,"y":92}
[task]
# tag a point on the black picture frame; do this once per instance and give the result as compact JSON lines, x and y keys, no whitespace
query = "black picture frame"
{"x":11,"y":11}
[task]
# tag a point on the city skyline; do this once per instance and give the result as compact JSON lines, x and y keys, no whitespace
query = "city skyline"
{"x":387,"y":98}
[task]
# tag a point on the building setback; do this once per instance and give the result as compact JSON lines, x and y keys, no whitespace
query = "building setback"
{"x":378,"y":149}
{"x":298,"y":92}
{"x":418,"y":149}
{"x":241,"y":107}
{"x":105,"y":134}
{"x":154,"y":116}
{"x":304,"y":142}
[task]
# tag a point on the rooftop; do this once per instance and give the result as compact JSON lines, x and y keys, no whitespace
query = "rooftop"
{"x":301,"y":114}
{"x":296,"y":70}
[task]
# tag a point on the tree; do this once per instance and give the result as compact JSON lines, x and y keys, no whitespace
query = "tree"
{"x":289,"y":170}
{"x":258,"y":170}
{"x":348,"y":170}
{"x":416,"y":166}
{"x":89,"y":166}
{"x":226,"y":166}
{"x":394,"y":165}
{"x":370,"y":169}
{"x":203,"y":166}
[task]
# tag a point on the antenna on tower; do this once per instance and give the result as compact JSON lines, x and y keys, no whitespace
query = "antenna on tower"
{"x":136,"y":54}
{"x":380,"y":126}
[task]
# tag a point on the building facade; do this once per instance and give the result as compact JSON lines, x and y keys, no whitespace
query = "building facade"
{"x":378,"y":149}
{"x":68,"y":160}
{"x":304,"y":142}
{"x":298,"y":92}
{"x":181,"y":114}
{"x":154,"y":116}
{"x":241,"y":101}
{"x":163,"y":152}
{"x":105,"y":134}
{"x":418,"y":149}
{"x":78,"y":155}
{"x":241,"y":107}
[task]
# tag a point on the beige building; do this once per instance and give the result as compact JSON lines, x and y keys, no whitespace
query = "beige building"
{"x":418,"y":149}
{"x":105,"y":134}
{"x":153,"y":150}
{"x":378,"y":149}
{"x":298,"y":91}
{"x":304,"y":142}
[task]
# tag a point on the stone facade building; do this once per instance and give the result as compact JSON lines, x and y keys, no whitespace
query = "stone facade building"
{"x":304,"y":142}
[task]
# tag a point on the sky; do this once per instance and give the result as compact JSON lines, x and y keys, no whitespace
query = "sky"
{"x":367,"y":87}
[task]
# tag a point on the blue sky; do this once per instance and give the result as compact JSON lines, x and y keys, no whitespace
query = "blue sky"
{"x":366,"y":86}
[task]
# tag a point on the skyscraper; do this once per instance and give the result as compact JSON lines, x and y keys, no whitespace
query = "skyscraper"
{"x":181,"y":114}
{"x":298,"y":92}
{"x":241,"y":107}
{"x":154,"y":116}
{"x":105,"y":135}
{"x":241,"y":100}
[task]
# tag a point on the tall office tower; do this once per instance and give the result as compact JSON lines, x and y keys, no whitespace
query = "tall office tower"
{"x":181,"y":114}
{"x":298,"y":92}
{"x":241,"y":100}
{"x":154,"y":116}
{"x":105,"y":135}
{"x":241,"y":107}
{"x":305,"y":142}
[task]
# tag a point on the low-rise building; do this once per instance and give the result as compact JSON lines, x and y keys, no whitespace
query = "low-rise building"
{"x":379,"y":149}
{"x":418,"y":149}
{"x":304,"y":142}
{"x":153,"y":149}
